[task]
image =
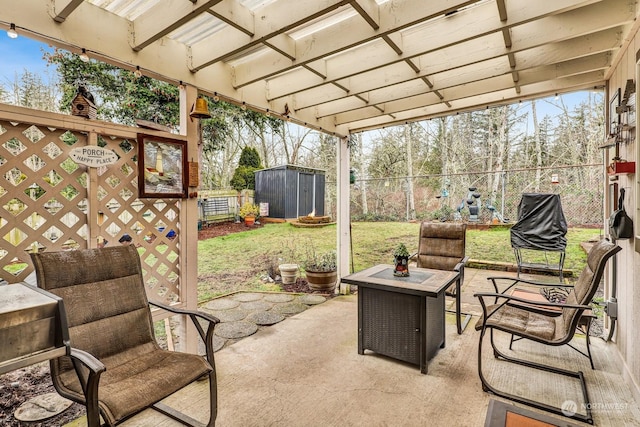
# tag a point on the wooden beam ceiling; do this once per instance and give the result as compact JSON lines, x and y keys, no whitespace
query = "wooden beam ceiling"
{"x":347,"y":65}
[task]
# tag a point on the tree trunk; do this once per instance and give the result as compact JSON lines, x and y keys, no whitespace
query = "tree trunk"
{"x":538,"y":147}
{"x":411,"y":204}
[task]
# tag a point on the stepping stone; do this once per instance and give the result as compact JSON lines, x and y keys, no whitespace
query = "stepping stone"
{"x":247,"y":296}
{"x":231,"y":315}
{"x":290,"y":308}
{"x":278,"y":297}
{"x":42,"y":407}
{"x":256,"y":305}
{"x":265,"y":318}
{"x":236,"y":329}
{"x":217,"y":342}
{"x":222,"y":304}
{"x":311,"y":299}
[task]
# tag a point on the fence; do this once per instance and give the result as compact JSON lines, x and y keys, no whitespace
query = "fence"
{"x":484,"y":197}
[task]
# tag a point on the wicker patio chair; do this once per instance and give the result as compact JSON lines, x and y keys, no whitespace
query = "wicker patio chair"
{"x":540,"y":322}
{"x":442,"y":247}
{"x":116,"y":368}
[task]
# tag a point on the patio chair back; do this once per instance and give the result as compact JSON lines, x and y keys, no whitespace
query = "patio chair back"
{"x":441,"y":245}
{"x":588,"y":282}
{"x":115,"y":367}
{"x":107,"y":307}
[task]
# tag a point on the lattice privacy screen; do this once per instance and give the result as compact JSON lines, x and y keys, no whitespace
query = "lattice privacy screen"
{"x":47,"y":204}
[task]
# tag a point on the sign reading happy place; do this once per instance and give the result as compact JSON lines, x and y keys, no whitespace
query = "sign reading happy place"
{"x":93,"y":156}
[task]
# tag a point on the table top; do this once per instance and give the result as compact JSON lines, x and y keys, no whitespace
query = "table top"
{"x":421,"y":281}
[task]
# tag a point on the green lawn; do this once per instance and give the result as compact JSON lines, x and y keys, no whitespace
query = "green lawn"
{"x":241,"y":261}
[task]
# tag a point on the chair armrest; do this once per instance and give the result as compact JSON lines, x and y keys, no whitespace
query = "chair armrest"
{"x":514,"y":281}
{"x":88,"y":369}
{"x":207,"y":337}
{"x":482,"y":295}
{"x":88,"y":360}
{"x":176,"y":310}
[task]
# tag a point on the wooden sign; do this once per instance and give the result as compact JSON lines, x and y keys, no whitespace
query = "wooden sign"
{"x":194,"y":174}
{"x":93,"y":156}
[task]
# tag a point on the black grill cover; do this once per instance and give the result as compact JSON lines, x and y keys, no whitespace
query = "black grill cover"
{"x":541,"y":224}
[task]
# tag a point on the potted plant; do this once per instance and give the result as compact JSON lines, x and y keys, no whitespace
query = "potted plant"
{"x":249,"y":212}
{"x":321,"y":269}
{"x":401,"y":261}
{"x":288,"y":267}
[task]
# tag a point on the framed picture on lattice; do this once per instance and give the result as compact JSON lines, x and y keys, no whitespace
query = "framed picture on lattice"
{"x":162,"y":167}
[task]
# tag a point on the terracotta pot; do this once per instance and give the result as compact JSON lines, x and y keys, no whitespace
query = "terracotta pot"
{"x":288,"y":272}
{"x":322,"y":280}
{"x":249,"y":220}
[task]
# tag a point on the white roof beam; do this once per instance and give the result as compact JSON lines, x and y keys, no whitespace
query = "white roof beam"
{"x":576,"y":23}
{"x":273,"y":19}
{"x":61,"y":9}
{"x":345,"y":35}
{"x":369,"y":11}
{"x":234,"y":14}
{"x":455,"y":58}
{"x":478,"y":73}
{"x":163,"y":18}
{"x":488,"y":87}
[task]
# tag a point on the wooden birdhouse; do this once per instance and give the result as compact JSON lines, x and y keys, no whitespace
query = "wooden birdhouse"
{"x":83,"y":104}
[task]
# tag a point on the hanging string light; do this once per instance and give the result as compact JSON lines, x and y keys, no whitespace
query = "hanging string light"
{"x":11,"y":32}
{"x":83,"y":56}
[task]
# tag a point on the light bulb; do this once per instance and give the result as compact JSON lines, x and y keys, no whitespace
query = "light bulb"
{"x":268,"y":113}
{"x":83,"y":56}
{"x":181,"y":86}
{"x":216,"y":98}
{"x":244,"y":106}
{"x":11,"y":32}
{"x":137,"y":72}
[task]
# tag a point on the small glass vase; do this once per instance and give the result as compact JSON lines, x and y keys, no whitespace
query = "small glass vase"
{"x":401,"y":266}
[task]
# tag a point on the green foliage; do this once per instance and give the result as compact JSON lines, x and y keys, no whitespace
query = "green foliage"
{"x":401,"y":251}
{"x":250,"y":158}
{"x":249,"y":209}
{"x":320,"y":261}
{"x":243,"y":176}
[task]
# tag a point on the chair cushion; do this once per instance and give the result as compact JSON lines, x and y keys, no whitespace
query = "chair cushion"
{"x":132,"y":386}
{"x":525,"y":323}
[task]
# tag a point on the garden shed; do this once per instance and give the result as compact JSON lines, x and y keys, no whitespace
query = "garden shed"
{"x":291,"y":191}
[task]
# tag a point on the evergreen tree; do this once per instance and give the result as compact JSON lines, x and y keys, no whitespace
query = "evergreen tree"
{"x":243,"y":176}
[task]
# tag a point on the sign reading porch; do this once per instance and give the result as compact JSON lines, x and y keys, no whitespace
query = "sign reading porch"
{"x":93,"y":156}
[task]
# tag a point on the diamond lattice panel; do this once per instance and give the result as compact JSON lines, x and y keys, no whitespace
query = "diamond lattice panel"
{"x":39,"y":192}
{"x":44,"y":206}
{"x":151,"y":224}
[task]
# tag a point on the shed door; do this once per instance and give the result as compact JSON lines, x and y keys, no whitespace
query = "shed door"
{"x":305,"y":194}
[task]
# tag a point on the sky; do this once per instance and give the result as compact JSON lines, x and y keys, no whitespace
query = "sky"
{"x":22,"y":53}
{"x":18,"y":55}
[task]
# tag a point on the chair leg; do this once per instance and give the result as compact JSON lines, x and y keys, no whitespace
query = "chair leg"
{"x":460,"y":324}
{"x":523,"y":400}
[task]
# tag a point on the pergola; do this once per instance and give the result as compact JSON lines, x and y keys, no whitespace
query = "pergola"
{"x":346,"y":66}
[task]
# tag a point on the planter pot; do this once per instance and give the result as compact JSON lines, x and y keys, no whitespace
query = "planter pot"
{"x":322,"y":281}
{"x":288,"y":272}
{"x":401,"y":266}
{"x":249,"y":220}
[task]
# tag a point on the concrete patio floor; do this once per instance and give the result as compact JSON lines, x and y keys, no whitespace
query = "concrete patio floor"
{"x":306,"y":371}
